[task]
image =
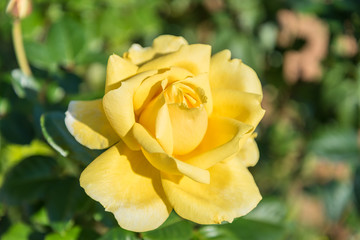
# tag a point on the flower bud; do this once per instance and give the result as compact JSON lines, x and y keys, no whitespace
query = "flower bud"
{"x":19,"y":8}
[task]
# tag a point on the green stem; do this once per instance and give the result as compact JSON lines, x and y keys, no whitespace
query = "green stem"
{"x":19,"y":48}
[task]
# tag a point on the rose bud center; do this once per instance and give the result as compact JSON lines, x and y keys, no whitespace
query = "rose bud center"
{"x":177,"y":118}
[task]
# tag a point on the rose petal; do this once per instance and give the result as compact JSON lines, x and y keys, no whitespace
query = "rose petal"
{"x":128,"y":186}
{"x":188,"y":127}
{"x":223,"y":139}
{"x":231,"y":193}
{"x":194,"y":58}
{"x":232,"y":74}
{"x":249,"y":154}
{"x":118,"y":105}
{"x":245,"y":107}
{"x":138,"y":55}
{"x":161,"y":45}
{"x":156,"y":119}
{"x":117,"y":70}
{"x":167,"y":43}
{"x":162,"y":161}
{"x":87,"y":122}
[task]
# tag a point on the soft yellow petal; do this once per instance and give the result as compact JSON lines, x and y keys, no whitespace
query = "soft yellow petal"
{"x":245,"y":107}
{"x":87,"y":122}
{"x":117,"y":70}
{"x":188,"y":127}
{"x":161,"y":45}
{"x":156,"y":119}
{"x":138,"y":55}
{"x":249,"y":153}
{"x":231,"y":193}
{"x":162,"y":161}
{"x":163,"y":128}
{"x":168,"y":43}
{"x":232,"y":74}
{"x":223,"y":139}
{"x":118,"y":104}
{"x":194,"y":58}
{"x":128,"y":186}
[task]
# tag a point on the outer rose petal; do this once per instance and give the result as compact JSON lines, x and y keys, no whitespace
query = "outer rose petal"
{"x":231,"y":193}
{"x":87,"y":122}
{"x":161,"y":45}
{"x":249,"y":154}
{"x":232,"y":74}
{"x":167,"y":43}
{"x":128,"y":186}
{"x":117,"y":70}
{"x":118,"y":106}
{"x":245,"y":107}
{"x":162,"y":161}
{"x":224,"y":138}
{"x":194,"y":58}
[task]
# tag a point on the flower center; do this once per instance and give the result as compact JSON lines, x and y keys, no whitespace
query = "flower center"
{"x":183,"y":95}
{"x":177,"y":117}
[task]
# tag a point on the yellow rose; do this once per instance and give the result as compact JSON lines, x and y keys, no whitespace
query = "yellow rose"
{"x":179,"y":127}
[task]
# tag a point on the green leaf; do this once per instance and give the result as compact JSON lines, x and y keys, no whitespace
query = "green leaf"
{"x":270,"y":209}
{"x":215,"y":233}
{"x":71,"y":234}
{"x":357,"y":188}
{"x":14,"y":153}
{"x":173,"y":228}
{"x":336,"y":143}
{"x":40,"y":217}
{"x":63,"y":200}
{"x":39,"y":55}
{"x":29,"y":180}
{"x":57,"y":135}
{"x":18,"y":231}
{"x":337,"y":196}
{"x":65,"y":40}
{"x":17,"y":128}
{"x":244,"y":229}
{"x":118,"y":234}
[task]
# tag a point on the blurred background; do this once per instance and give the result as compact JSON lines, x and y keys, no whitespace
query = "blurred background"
{"x":306,"y":54}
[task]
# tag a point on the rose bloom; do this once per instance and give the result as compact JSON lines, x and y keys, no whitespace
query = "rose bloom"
{"x":179,"y":128}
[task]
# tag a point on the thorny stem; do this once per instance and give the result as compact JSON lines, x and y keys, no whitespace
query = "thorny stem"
{"x":19,"y":48}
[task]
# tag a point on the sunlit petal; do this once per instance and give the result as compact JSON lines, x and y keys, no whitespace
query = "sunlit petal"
{"x":232,"y":74}
{"x":194,"y":58}
{"x":118,"y":104}
{"x":223,"y":139}
{"x":164,"y":162}
{"x":249,"y":153}
{"x":128,"y":186}
{"x":245,"y":107}
{"x":231,"y":193}
{"x":87,"y":122}
{"x":117,"y":70}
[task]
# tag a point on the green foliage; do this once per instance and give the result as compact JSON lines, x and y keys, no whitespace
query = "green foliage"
{"x":29,"y":180}
{"x":308,"y":173}
{"x":173,"y":228}
{"x":18,"y":231}
{"x":118,"y":233}
{"x":57,"y":135}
